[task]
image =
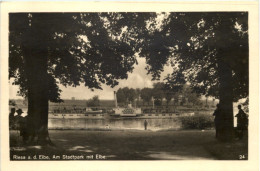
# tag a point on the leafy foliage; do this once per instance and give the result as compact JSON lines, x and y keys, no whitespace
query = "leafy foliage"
{"x":125,"y":95}
{"x":193,"y":43}
{"x":200,"y":121}
{"x":94,"y":102}
{"x":146,"y":95}
{"x":159,"y":92}
{"x":246,"y":105}
{"x":12,"y":103}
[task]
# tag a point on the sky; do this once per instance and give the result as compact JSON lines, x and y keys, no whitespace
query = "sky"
{"x":137,"y":79}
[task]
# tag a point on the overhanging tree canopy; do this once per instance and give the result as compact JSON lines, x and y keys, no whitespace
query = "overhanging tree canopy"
{"x":47,"y":49}
{"x":193,"y":43}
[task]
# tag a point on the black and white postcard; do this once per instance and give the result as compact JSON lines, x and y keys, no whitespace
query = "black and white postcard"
{"x":129,"y":86}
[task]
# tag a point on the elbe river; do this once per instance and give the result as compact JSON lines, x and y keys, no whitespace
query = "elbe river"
{"x":115,"y":123}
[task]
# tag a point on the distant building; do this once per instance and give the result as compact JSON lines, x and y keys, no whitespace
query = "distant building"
{"x":73,"y":98}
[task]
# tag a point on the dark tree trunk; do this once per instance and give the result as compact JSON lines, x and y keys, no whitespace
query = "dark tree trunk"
{"x":38,"y":97}
{"x":225,"y":100}
{"x":225,"y":81}
{"x":36,"y":56}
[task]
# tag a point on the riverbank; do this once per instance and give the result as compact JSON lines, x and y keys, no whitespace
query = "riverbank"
{"x":133,"y":145}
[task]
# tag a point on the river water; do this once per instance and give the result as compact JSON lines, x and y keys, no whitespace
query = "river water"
{"x":115,"y":124}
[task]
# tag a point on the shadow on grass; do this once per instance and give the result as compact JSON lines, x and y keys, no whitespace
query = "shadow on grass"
{"x":138,"y":145}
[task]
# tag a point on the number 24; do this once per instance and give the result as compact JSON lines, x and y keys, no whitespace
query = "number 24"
{"x":242,"y":156}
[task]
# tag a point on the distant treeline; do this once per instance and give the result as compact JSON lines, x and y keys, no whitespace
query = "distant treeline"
{"x":159,"y":93}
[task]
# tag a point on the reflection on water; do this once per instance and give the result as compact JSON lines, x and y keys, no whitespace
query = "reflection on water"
{"x":121,"y":123}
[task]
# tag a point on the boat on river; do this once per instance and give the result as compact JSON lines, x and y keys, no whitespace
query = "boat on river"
{"x":128,"y":111}
{"x":131,"y":112}
{"x":76,"y":113}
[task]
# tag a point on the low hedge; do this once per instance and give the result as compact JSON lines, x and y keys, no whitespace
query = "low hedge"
{"x":199,"y":121}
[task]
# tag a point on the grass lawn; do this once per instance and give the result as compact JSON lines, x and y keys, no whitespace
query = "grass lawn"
{"x":134,"y":145}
